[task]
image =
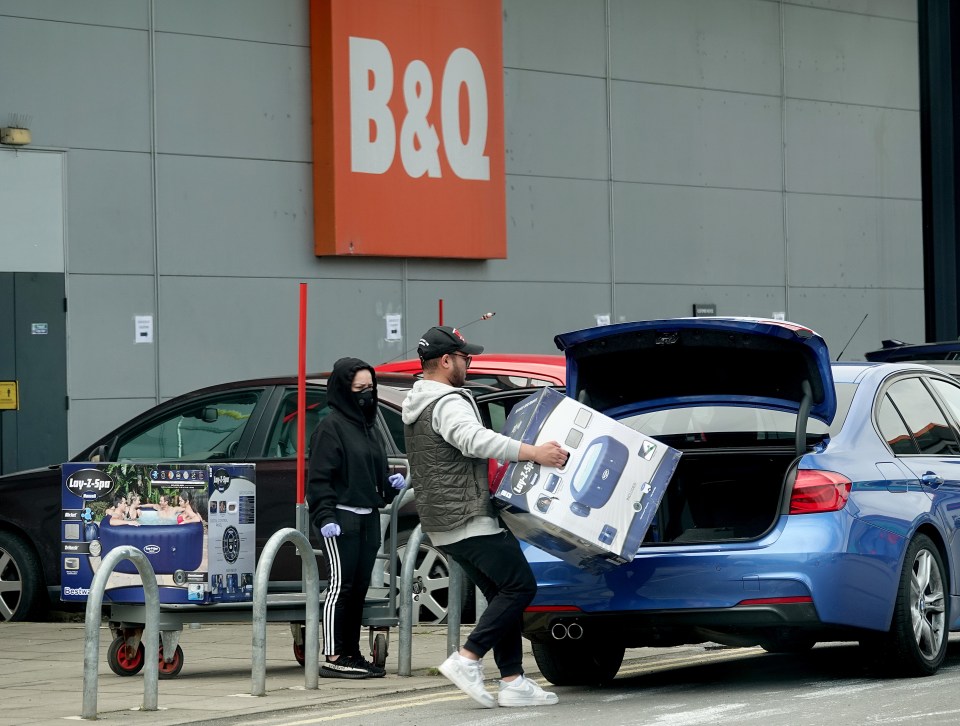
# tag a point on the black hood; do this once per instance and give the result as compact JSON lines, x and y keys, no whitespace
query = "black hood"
{"x":339,"y":395}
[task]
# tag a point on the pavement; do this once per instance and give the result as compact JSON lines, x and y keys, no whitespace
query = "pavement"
{"x":41,"y":675}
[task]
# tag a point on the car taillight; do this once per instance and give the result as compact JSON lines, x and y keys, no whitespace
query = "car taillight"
{"x":819,"y":491}
{"x":552,"y":609}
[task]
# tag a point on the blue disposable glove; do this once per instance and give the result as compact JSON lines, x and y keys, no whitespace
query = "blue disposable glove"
{"x":396,"y":480}
{"x":330,"y":530}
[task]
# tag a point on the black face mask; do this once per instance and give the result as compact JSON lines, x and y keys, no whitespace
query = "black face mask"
{"x":367,"y":401}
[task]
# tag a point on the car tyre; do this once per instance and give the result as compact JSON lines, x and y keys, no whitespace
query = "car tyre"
{"x":578,"y":663}
{"x":21,"y":579}
{"x":916,"y":643}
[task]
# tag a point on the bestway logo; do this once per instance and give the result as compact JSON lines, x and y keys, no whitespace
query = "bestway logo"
{"x":76,"y":591}
{"x":151,"y":549}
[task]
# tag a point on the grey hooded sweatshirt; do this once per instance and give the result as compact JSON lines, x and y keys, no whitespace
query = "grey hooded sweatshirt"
{"x":457,"y":420}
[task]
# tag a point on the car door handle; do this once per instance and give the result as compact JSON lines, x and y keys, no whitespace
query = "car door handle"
{"x":931,"y":480}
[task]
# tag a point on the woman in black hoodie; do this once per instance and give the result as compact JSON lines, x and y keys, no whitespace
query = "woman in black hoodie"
{"x":347,"y":483}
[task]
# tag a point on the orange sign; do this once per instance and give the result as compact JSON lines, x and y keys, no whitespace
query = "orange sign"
{"x":408,"y":149}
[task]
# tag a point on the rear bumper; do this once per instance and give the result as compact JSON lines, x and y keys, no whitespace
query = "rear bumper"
{"x":742,"y":625}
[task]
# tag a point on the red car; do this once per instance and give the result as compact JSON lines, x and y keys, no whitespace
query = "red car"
{"x":501,"y":370}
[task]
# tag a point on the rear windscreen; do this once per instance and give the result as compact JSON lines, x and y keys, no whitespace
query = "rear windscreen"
{"x":704,"y":422}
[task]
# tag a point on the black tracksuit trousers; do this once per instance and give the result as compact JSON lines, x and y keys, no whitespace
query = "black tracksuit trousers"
{"x":497,"y":566}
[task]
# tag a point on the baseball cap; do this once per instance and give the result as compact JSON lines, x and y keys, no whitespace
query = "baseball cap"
{"x":442,"y":339}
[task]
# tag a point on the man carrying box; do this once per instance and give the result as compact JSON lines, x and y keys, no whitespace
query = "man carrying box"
{"x":448,"y":447}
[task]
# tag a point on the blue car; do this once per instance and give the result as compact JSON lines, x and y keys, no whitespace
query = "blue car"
{"x":813,"y":501}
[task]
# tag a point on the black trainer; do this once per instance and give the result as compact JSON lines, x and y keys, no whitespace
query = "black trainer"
{"x":342,"y":667}
{"x":375,"y":671}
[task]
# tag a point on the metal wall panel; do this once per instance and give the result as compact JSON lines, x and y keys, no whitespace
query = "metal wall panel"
{"x":841,"y":57}
{"x":556,"y":125}
{"x":558,"y":36}
{"x":221,"y":329}
{"x":219,"y":97}
{"x":277,"y":21}
{"x":104,"y":359}
{"x":234,"y":217}
{"x":902,"y":9}
{"x":528,"y":315}
{"x":733,"y":45}
{"x":690,"y":235}
{"x":116,"y":13}
{"x":640,"y":302}
{"x":88,"y":90}
{"x":674,"y":135}
{"x":694,"y":128}
{"x":548,"y":220}
{"x":836,"y":148}
{"x":855,"y":242}
{"x":31,"y":211}
{"x":838,"y":312}
{"x":110,"y":208}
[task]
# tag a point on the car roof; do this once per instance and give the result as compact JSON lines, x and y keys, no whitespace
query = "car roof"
{"x":545,"y":367}
{"x":897,"y":350}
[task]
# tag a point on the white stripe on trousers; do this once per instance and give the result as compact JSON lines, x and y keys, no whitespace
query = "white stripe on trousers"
{"x":333,"y":593}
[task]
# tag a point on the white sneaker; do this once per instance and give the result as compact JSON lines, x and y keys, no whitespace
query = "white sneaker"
{"x":524,"y":692}
{"x":467,"y":675}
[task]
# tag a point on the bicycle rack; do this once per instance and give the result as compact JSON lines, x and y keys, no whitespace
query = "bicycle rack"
{"x":151,"y":630}
{"x":311,"y":588}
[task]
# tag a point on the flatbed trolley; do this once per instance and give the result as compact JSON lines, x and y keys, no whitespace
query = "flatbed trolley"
{"x":125,"y":655}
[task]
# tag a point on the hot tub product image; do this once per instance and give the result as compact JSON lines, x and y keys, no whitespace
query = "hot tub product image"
{"x":597,"y":475}
{"x":168,"y":547}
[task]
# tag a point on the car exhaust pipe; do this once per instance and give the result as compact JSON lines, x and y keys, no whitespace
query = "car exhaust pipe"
{"x":573,"y":631}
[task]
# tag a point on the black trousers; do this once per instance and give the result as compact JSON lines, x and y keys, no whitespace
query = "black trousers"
{"x":351,"y":556}
{"x":497,"y":566}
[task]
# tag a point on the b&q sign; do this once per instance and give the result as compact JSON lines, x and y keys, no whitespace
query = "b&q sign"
{"x":408,"y":145}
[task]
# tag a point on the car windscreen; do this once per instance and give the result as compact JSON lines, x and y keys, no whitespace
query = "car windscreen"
{"x":714,"y":424}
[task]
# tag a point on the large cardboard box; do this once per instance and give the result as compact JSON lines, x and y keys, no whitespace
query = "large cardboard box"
{"x":594,"y":512}
{"x":210,"y":559}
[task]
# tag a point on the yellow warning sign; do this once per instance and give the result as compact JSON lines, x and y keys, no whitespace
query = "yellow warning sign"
{"x":8,"y":395}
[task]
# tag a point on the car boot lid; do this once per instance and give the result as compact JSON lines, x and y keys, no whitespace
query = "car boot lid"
{"x":629,"y":368}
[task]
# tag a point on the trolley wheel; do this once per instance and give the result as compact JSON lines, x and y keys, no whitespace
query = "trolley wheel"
{"x":379,"y":652}
{"x":299,"y":652}
{"x":120,"y":660}
{"x":171,"y":669}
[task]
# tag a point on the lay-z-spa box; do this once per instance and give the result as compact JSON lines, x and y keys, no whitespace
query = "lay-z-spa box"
{"x":595,"y":511}
{"x":194,"y":522}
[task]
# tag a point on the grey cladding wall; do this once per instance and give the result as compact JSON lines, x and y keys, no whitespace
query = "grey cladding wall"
{"x":757,"y":154}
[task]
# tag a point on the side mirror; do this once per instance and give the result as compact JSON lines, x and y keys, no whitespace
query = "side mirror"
{"x":209,"y":414}
{"x":99,"y":453}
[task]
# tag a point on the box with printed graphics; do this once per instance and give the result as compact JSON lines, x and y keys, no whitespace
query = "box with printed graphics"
{"x":595,"y":511}
{"x":194,"y":522}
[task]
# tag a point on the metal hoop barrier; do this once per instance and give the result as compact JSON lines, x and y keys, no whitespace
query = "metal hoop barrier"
{"x":311,"y":587}
{"x":404,"y":658}
{"x":151,"y":629}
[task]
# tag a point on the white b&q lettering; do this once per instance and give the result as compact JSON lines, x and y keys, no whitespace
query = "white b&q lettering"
{"x":373,"y":132}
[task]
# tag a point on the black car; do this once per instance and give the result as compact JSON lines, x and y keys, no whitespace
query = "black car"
{"x":252,"y":421}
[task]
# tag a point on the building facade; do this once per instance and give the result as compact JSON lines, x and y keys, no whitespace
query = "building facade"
{"x":759,"y":156}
